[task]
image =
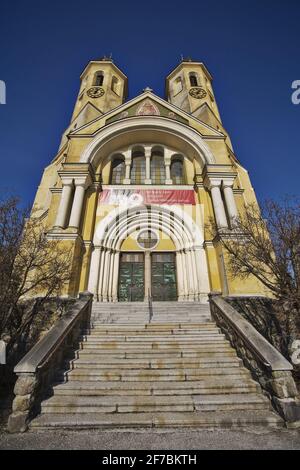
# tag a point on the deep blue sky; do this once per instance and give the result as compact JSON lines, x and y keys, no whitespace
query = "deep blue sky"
{"x":251,"y":48}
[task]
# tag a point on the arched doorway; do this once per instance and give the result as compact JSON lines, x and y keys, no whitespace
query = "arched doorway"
{"x":147,"y":267}
{"x":189,"y":259}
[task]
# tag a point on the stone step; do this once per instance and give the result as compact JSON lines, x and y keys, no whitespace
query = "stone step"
{"x":178,"y":314}
{"x":144,"y":321}
{"x":231,"y":401}
{"x":146,"y":404}
{"x":217,"y":348}
{"x":92,"y":360}
{"x":153,"y":339}
{"x":151,"y":326}
{"x":116,"y":330}
{"x":192,"y":335}
{"x":154,"y":354}
{"x":209,"y":385}
{"x":159,"y":364}
{"x":137,"y":375}
{"x":155,"y":305}
{"x":207,"y":420}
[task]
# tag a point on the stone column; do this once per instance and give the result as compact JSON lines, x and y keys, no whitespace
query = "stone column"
{"x":65,"y":200}
{"x":106,"y":275}
{"x":147,"y":274}
{"x":179,"y":275}
{"x":101,"y":271}
{"x":94,"y":271}
{"x":195,"y":274}
{"x":81,"y":184}
{"x":148,"y":165}
{"x":111,"y":274}
{"x":202,"y":272}
{"x":115,"y":277}
{"x":219,"y":209}
{"x":184,"y":275}
{"x":167,"y":160}
{"x":128,"y":159}
{"x":190,"y":272}
{"x":230,"y":201}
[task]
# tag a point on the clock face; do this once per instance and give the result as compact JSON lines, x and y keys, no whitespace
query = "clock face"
{"x":95,"y":92}
{"x":197,"y":92}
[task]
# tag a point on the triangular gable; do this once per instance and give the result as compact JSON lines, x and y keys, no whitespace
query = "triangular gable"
{"x":147,"y":107}
{"x":146,"y":104}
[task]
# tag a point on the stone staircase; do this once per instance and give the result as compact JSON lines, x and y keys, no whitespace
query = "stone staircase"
{"x":177,"y":371}
{"x":138,"y":312}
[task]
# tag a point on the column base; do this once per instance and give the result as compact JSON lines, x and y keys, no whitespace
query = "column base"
{"x":148,"y":181}
{"x":168,"y":182}
{"x":126,"y":181}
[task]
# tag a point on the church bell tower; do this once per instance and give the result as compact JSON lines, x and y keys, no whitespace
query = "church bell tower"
{"x":103,"y":87}
{"x":189,"y":87}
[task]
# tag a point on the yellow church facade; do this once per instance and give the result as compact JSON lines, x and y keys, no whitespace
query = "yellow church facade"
{"x":136,"y":184}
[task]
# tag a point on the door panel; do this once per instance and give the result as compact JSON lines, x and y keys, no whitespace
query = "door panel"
{"x":131,"y":277}
{"x":163,"y":274}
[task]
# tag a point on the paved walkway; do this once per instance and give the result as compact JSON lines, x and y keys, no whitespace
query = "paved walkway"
{"x":153,"y":440}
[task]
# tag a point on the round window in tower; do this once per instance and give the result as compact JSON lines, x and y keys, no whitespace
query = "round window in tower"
{"x":147,"y":239}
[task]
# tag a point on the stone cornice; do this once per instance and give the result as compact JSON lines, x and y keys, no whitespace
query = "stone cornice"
{"x":59,"y":234}
{"x":216,"y":174}
{"x":55,"y":190}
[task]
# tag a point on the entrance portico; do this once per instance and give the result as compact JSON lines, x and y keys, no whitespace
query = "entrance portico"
{"x":180,"y":274}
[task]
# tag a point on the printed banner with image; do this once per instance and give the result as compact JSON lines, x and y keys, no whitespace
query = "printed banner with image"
{"x":147,"y":196}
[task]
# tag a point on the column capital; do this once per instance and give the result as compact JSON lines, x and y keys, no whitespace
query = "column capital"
{"x":228,"y":181}
{"x":66,"y":181}
{"x":83,"y":181}
{"x":148,"y":150}
{"x":127,"y":154}
{"x":212,"y":182}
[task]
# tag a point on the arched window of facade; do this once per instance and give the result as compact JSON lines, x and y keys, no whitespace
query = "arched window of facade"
{"x":115,"y":85}
{"x":177,"y":86}
{"x":158,"y":171}
{"x":138,"y":168}
{"x":194,"y":79}
{"x":117,"y":170}
{"x":177,"y":170}
{"x":98,"y":78}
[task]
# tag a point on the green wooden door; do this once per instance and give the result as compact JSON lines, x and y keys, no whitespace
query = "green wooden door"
{"x":131,"y":277}
{"x":163,"y":276}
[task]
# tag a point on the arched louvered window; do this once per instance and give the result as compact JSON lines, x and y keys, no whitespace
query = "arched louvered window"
{"x":193,"y":79}
{"x":177,"y":171}
{"x":98,"y":78}
{"x":177,"y":86}
{"x":138,"y":168}
{"x":158,"y":171}
{"x":117,"y":171}
{"x":115,"y":85}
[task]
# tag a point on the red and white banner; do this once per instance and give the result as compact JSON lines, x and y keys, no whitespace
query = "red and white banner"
{"x":147,"y":196}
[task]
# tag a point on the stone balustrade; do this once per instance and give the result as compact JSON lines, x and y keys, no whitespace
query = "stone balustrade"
{"x":266,"y":363}
{"x":37,"y":369}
